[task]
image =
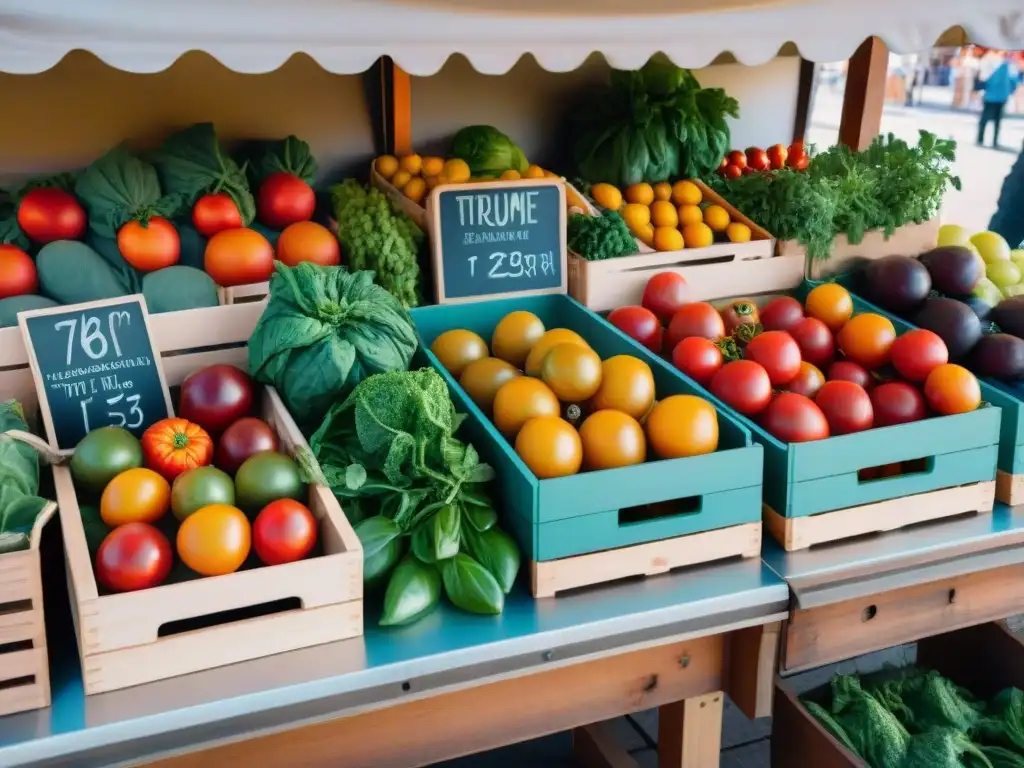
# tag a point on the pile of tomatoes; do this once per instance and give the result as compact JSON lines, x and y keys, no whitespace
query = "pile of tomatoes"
{"x":564,"y":408}
{"x":803,"y":371}
{"x":211,"y":488}
{"x":757,"y":160}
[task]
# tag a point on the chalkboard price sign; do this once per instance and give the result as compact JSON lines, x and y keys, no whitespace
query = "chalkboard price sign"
{"x":498,"y":239}
{"x":94,"y":366}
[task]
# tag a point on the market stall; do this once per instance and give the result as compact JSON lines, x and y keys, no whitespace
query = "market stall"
{"x":305,"y":672}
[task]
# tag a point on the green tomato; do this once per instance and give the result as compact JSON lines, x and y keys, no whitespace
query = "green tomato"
{"x":103,"y":454}
{"x":265,"y":477}
{"x":199,"y":487}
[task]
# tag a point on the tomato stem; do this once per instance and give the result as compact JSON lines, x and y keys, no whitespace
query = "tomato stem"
{"x":180,"y":441}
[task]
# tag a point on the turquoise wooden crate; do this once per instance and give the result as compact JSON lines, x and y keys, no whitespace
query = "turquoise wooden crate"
{"x":822,"y":476}
{"x":594,"y":511}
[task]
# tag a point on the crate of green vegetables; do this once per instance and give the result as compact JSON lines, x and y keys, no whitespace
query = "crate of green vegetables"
{"x":609,"y":463}
{"x":962,"y":704}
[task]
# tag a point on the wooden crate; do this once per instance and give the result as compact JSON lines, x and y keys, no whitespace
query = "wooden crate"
{"x":605,"y":285}
{"x":119,"y":635}
{"x":984,"y":659}
{"x":589,"y":528}
{"x":24,"y":663}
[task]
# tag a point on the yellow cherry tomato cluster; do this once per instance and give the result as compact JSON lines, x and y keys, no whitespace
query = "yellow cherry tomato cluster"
{"x":416,"y":175}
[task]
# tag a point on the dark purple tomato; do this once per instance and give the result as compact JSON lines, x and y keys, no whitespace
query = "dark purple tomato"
{"x":245,"y":437}
{"x":847,"y":407}
{"x":847,"y":370}
{"x":133,"y":556}
{"x":216,"y":397}
{"x":807,"y":382}
{"x":817,"y":346}
{"x":793,"y":418}
{"x":782,"y":314}
{"x":897,"y":403}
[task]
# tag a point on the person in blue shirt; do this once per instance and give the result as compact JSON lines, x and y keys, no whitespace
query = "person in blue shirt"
{"x":998,"y":85}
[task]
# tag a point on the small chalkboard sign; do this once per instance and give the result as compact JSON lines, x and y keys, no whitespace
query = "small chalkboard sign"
{"x":94,"y":366}
{"x":498,"y":239}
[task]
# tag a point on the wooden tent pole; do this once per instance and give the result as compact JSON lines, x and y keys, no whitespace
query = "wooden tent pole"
{"x":865,"y":94}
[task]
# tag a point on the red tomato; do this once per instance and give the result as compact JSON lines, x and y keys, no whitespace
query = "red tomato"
{"x":793,"y":418}
{"x":777,"y":155}
{"x":744,"y":385}
{"x":846,"y":406}
{"x":238,"y":256}
{"x":897,"y":403}
{"x":847,"y":370}
{"x":815,"y":341}
{"x":782,"y":314}
{"x":149,"y":245}
{"x":17,"y":272}
{"x":284,"y":199}
{"x":639,"y":324}
{"x":757,"y":159}
{"x":133,"y":556}
{"x":724,"y":163}
{"x":807,"y":382}
{"x":698,"y":319}
{"x":732,"y":172}
{"x":216,"y":397}
{"x":797,"y":148}
{"x":917,"y":353}
{"x":284,"y":531}
{"x":698,"y":358}
{"x":798,"y":162}
{"x":778,"y":353}
{"x":951,"y":389}
{"x":738,"y":159}
{"x":214,"y":213}
{"x":867,"y":339}
{"x":739,"y":312}
{"x":46,"y":214}
{"x":172,"y":446}
{"x":245,"y":437}
{"x":664,"y":294}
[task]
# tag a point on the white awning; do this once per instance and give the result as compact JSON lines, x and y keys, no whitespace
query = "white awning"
{"x":347,"y":36}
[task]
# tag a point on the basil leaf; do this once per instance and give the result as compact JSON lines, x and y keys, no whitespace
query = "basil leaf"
{"x":379,"y":564}
{"x":355,"y":476}
{"x":470,"y":586}
{"x":413,"y":591}
{"x":482,"y":518}
{"x":375,"y":533}
{"x":447,"y":533}
{"x":423,"y":542}
{"x":496,"y":551}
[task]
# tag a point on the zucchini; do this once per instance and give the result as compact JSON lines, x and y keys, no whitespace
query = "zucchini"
{"x":71,"y":272}
{"x":193,"y":245}
{"x":12,"y":305}
{"x":172,"y":289}
{"x":108,"y":249}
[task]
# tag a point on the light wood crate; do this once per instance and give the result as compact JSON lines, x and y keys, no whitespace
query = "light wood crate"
{"x":24,"y":663}
{"x":720,"y":269}
{"x":118,"y":635}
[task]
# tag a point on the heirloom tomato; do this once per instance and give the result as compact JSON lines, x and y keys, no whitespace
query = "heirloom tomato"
{"x":284,"y":531}
{"x":172,"y":446}
{"x":135,"y":496}
{"x":244,"y":438}
{"x":133,"y":556}
{"x":627,"y":385}
{"x":951,"y":389}
{"x":867,"y":339}
{"x":830,"y":303}
{"x":681,"y":426}
{"x":215,"y":397}
{"x":550,"y":446}
{"x":308,"y":241}
{"x":612,"y":439}
{"x":847,"y":370}
{"x":214,"y":540}
{"x":815,"y":341}
{"x":807,"y":382}
{"x":897,"y":403}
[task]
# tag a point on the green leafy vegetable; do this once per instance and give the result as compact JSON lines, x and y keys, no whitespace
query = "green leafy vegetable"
{"x":487,"y":151}
{"x":596,"y":238}
{"x":944,"y":748}
{"x":447,"y":531}
{"x":379,"y":238}
{"x":494,"y":550}
{"x":20,"y":503}
{"x":10,"y":231}
{"x":470,"y":586}
{"x":192,"y":163}
{"x":289,"y":155}
{"x":323,"y":331}
{"x":119,"y":187}
{"x":413,"y":591}
{"x":1000,"y":757}
{"x":1003,"y":723}
{"x":876,"y":734}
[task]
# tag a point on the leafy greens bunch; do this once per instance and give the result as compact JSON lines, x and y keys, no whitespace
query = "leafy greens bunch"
{"x":20,"y":503}
{"x":596,"y":238}
{"x":390,"y":448}
{"x":651,"y":124}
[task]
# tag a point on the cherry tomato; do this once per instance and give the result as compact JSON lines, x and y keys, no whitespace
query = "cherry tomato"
{"x":737,"y":159}
{"x":951,"y":389}
{"x":917,"y":353}
{"x":744,"y":385}
{"x":732,"y":172}
{"x":757,"y":159}
{"x":807,"y":382}
{"x":897,"y":402}
{"x":698,"y":358}
{"x":697,"y":319}
{"x":830,"y":303}
{"x":664,"y":294}
{"x":639,"y":324}
{"x":216,"y":397}
{"x":214,"y":540}
{"x":798,"y":162}
{"x":149,"y":245}
{"x":777,"y":155}
{"x":793,"y":418}
{"x":867,"y":339}
{"x":284,"y":199}
{"x":847,"y":370}
{"x":815,"y":341}
{"x":133,"y":556}
{"x":284,"y":531}
{"x":778,"y":353}
{"x":46,"y":214}
{"x":782,"y":314}
{"x":846,"y":406}
{"x":17,"y":272}
{"x":214,"y":213}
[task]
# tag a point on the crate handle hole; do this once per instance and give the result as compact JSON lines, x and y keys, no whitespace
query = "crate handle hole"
{"x":869,"y":613}
{"x":193,"y":623}
{"x":922,"y":466}
{"x":15,"y":606}
{"x":644,"y":513}
{"x":17,"y":682}
{"x":18,"y":645}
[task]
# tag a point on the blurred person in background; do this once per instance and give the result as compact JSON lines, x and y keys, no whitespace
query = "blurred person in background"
{"x":998,"y":78}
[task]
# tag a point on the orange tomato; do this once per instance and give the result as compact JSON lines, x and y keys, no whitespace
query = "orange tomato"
{"x":238,"y":257}
{"x":149,"y":245}
{"x":546,"y":343}
{"x":867,"y":339}
{"x":550,"y":447}
{"x":457,"y":348}
{"x":214,"y":540}
{"x":514,"y":336}
{"x":173,"y":446}
{"x":951,"y":389}
{"x":520,"y":400}
{"x":682,"y":425}
{"x":830,"y":303}
{"x":135,"y":496}
{"x":308,"y":241}
{"x":612,"y":439}
{"x":17,"y":272}
{"x":627,"y":385}
{"x":483,"y":378}
{"x":573,"y":372}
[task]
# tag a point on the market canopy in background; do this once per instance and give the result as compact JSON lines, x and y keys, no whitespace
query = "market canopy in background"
{"x":348,"y":36}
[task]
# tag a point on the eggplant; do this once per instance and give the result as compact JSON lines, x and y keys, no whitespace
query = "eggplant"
{"x":1000,"y":356}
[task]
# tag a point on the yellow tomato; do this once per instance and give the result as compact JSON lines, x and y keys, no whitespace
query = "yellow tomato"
{"x":627,"y":385}
{"x":412,"y":164}
{"x":519,"y":400}
{"x":664,"y":214}
{"x":400,"y":179}
{"x":690,"y":214}
{"x":458,"y":348}
{"x":698,"y":235}
{"x":612,"y":439}
{"x":415,"y":189}
{"x":636,"y":216}
{"x":642,"y":194}
{"x":386,"y":165}
{"x":645,"y":235}
{"x":534,"y":172}
{"x":662,"y":191}
{"x":546,"y":343}
{"x":214,"y":540}
{"x":572,"y":371}
{"x":510,"y":175}
{"x":456,"y":171}
{"x":682,"y":425}
{"x":550,"y":447}
{"x":483,"y":378}
{"x":135,"y":496}
{"x":738,"y":232}
{"x":668,"y":239}
{"x":514,"y":336}
{"x":830,"y":303}
{"x":716,"y":217}
{"x":432,"y":166}
{"x":607,"y":196}
{"x":686,"y":193}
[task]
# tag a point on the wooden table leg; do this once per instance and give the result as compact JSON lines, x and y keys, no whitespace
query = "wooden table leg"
{"x":690,"y":732}
{"x":595,"y":746}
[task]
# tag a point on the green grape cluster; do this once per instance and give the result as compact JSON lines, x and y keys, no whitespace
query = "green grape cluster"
{"x":378,"y":238}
